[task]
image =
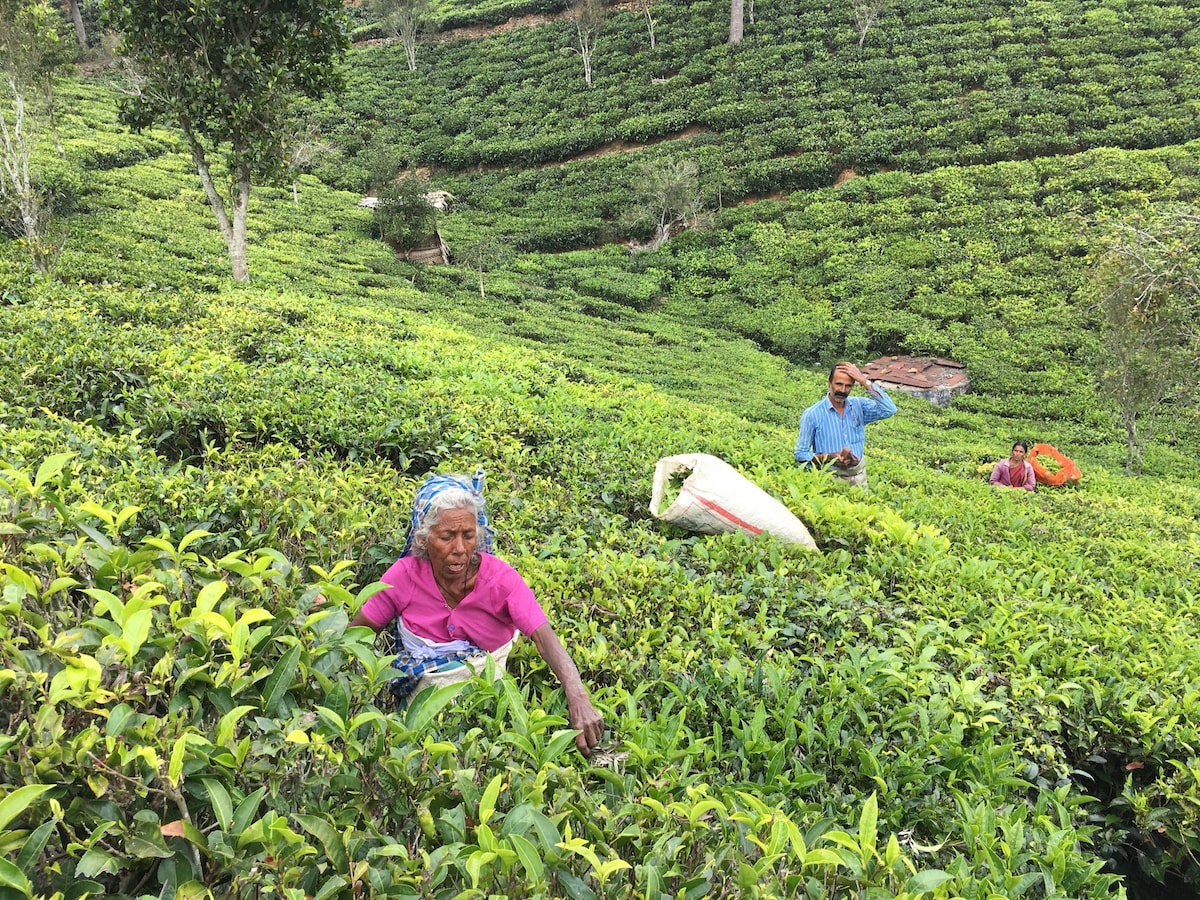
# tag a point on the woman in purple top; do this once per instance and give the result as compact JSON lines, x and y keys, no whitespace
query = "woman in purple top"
{"x":1015,"y":472}
{"x":452,"y":600}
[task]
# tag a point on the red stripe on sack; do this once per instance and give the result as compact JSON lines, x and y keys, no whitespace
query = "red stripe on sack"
{"x":725,"y":514}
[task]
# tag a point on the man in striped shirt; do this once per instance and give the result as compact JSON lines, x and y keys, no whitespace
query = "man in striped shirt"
{"x":833,"y":431}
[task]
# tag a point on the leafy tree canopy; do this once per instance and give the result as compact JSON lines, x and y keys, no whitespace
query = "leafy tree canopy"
{"x":223,"y":69}
{"x":404,"y":216}
{"x":30,"y":46}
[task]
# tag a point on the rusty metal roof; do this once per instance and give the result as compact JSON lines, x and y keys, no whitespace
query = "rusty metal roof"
{"x":919,"y":372}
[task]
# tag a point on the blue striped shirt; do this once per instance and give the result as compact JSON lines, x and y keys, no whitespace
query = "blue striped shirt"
{"x":823,"y":430}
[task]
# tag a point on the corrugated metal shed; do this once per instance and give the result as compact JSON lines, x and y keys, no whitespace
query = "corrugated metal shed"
{"x":937,"y":380}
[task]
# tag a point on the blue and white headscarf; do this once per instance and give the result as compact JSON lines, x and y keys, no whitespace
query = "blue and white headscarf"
{"x":437,"y":484}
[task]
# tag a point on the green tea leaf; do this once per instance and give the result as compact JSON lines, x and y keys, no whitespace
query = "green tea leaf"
{"x":868,"y":825}
{"x":97,"y":862}
{"x":927,"y":881}
{"x":222,"y":806}
{"x":20,"y":800}
{"x":228,"y":723}
{"x":12,"y":877}
{"x":330,"y":838}
{"x":247,"y":810}
{"x":146,"y":842}
{"x":50,"y":468}
{"x":175,"y":765}
{"x":558,"y":742}
{"x":518,"y":714}
{"x":531,"y":862}
{"x":34,"y":844}
{"x":487,"y":803}
{"x":528,"y":820}
{"x":280,"y":680}
{"x":425,"y":707}
{"x":331,"y":888}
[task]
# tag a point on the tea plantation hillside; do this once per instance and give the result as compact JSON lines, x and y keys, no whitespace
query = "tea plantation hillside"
{"x":992,"y":142}
{"x":966,"y":693}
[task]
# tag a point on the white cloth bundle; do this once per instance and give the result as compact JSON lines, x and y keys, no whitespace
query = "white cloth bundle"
{"x":716,"y":498}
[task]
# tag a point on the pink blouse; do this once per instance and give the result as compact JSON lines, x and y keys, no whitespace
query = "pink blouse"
{"x":1002,"y":475}
{"x":500,"y":604}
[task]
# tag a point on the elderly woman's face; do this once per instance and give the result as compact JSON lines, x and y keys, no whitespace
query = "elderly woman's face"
{"x":451,"y":543}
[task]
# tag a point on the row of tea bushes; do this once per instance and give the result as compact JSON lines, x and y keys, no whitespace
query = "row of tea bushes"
{"x":965,"y":85}
{"x":954,"y":262}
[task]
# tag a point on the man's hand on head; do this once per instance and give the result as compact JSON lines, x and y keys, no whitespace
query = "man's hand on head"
{"x":854,"y":372}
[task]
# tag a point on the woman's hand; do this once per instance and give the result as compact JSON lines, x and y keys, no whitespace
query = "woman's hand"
{"x":582,"y":715}
{"x":580,"y":712}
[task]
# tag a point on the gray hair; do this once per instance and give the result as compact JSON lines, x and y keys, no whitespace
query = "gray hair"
{"x":445,"y":501}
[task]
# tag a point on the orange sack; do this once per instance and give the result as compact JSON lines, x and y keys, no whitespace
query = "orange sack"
{"x":1066,"y":470}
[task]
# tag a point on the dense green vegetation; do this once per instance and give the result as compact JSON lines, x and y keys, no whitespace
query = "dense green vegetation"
{"x":1000,"y":136}
{"x":966,"y":694}
{"x":958,"y":83}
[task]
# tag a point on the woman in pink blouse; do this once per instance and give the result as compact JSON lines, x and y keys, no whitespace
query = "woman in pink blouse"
{"x":1015,"y":472}
{"x":452,"y":600}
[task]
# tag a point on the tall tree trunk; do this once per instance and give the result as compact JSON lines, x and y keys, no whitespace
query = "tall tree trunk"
{"x":52,"y":111}
{"x":735,"y":21}
{"x":77,"y":18}
{"x":1133,"y":442}
{"x":408,"y":37}
{"x":241,"y":211}
{"x":587,"y":43}
{"x":233,"y":230}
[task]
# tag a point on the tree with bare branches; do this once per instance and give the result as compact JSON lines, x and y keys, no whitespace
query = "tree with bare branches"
{"x":485,"y":254}
{"x":30,"y":59}
{"x":669,"y":199}
{"x":305,"y":148}
{"x":644,"y":7}
{"x":588,"y":18}
{"x":866,"y":16}
{"x":404,"y":19}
